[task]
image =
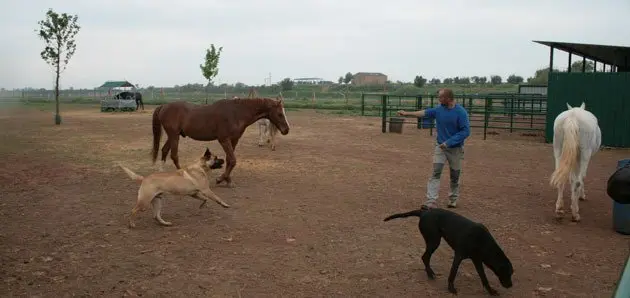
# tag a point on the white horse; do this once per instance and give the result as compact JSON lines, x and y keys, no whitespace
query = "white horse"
{"x":576,"y":139}
{"x":267,"y":133}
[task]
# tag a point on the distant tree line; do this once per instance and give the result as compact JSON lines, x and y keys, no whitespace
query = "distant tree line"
{"x":540,"y":77}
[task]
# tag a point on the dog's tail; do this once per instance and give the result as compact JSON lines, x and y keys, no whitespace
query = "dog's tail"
{"x":417,"y":212}
{"x":570,"y":153}
{"x":131,"y":174}
{"x":157,"y":133}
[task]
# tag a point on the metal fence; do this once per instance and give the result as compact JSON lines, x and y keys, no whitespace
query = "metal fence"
{"x":502,"y":111}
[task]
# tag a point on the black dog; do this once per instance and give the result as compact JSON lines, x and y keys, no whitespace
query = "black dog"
{"x":467,"y":238}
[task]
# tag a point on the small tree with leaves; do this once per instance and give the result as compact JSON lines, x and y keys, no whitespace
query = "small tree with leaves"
{"x":419,"y":81}
{"x":496,"y":79}
{"x":348,"y":78}
{"x":210,"y":68}
{"x":286,"y":84}
{"x":514,"y":79}
{"x":58,"y":32}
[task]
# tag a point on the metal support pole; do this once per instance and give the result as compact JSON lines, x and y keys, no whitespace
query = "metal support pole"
{"x":583,"y":64}
{"x":550,"y":59}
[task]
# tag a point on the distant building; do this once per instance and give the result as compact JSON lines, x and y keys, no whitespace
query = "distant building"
{"x":532,"y":89}
{"x":310,"y":81}
{"x":369,"y":78}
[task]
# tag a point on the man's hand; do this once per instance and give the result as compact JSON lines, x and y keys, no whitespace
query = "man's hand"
{"x":443,"y":146}
{"x":401,"y":113}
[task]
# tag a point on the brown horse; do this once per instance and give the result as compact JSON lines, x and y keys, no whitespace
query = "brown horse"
{"x":224,"y":121}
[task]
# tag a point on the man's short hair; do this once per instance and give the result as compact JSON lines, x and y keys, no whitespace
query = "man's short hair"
{"x":448,"y":93}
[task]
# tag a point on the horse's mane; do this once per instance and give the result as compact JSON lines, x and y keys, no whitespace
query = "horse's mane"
{"x":255,"y":100}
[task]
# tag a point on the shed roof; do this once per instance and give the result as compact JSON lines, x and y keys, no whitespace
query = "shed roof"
{"x":611,"y":55}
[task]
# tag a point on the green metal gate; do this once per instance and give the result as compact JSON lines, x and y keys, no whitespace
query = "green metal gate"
{"x":606,"y":95}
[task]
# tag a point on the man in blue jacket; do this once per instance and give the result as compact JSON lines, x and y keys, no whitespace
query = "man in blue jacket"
{"x":453,"y":127}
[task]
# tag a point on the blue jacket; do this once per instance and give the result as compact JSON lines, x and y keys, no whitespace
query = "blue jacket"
{"x":452,"y":125}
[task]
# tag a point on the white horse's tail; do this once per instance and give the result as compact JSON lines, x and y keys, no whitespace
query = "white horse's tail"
{"x":570,"y":152}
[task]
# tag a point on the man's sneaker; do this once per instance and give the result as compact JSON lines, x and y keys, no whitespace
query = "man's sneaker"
{"x":452,"y":204}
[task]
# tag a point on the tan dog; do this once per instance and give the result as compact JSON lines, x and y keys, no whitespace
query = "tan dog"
{"x":191,"y":180}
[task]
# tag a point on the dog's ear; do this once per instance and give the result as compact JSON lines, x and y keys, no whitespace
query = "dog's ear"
{"x":207,"y":154}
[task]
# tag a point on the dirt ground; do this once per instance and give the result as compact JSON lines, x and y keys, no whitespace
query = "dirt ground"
{"x":306,"y":220}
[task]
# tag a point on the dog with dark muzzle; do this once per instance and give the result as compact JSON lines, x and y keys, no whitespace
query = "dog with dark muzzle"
{"x":191,"y":180}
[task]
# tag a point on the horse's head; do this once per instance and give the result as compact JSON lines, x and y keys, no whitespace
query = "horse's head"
{"x":277,"y":115}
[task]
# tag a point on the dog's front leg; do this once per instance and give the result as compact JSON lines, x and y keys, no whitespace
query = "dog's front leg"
{"x":210,"y":195}
{"x":484,"y":279}
{"x":201,"y":198}
{"x":451,"y":276}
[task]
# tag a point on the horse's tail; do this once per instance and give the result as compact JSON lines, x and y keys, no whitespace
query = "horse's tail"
{"x":157,"y":133}
{"x":570,"y":152}
{"x":417,"y":212}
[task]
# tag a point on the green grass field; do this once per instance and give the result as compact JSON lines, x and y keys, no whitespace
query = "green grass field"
{"x":335,"y":97}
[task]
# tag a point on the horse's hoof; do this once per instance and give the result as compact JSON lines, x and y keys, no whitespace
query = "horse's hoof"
{"x":575,"y":218}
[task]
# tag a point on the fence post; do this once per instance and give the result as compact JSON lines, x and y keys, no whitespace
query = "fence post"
{"x":511,"y":113}
{"x":531,"y":115}
{"x":418,"y":108}
{"x":431,"y":105}
{"x":383,"y":113}
{"x":362,"y":104}
{"x":485,"y":118}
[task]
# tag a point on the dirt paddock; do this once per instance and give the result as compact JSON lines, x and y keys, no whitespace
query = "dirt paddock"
{"x":305,"y":221}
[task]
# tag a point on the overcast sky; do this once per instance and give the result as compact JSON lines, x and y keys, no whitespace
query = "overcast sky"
{"x":162,"y":43}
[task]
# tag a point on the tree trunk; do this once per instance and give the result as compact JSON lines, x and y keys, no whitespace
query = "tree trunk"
{"x":57,"y":116}
{"x":207,"y":92}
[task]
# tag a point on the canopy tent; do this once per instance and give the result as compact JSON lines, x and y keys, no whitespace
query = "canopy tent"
{"x":116,"y":84}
